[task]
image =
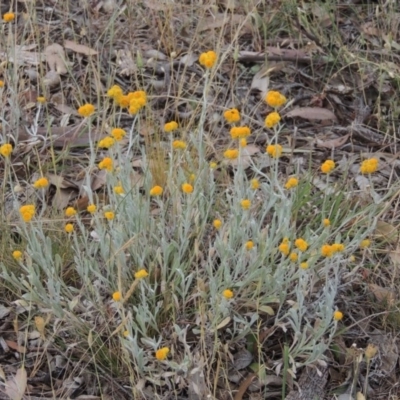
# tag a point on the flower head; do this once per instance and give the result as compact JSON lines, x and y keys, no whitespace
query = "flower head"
{"x":338,"y":247}
{"x":337,"y":315}
{"x":118,"y":134}
{"x":70,"y":212}
{"x":8,"y":17}
{"x":327,"y":251}
{"x":86,"y":110}
{"x":240,"y":132}
{"x":27,"y":212}
{"x":231,"y":154}
{"x":232,"y":115}
{"x":369,"y":166}
{"x":327,"y":167}
{"x":156,"y":191}
{"x":17,"y":255}
{"x":284,"y":247}
{"x":249,"y":245}
{"x":217,"y":223}
{"x":272,"y":119}
{"x":117,"y":296}
{"x":109,"y":215}
{"x":213,"y":165}
{"x":69,"y":228}
{"x":171,"y":126}
{"x":41,"y":99}
{"x":91,"y":208}
{"x":243,"y":142}
{"x":304,"y":265}
{"x":162,"y":354}
{"x":106,"y":163}
{"x":208,"y":59}
{"x":301,"y":244}
{"x":119,"y":190}
{"x":291,"y":183}
{"x":227,"y":293}
{"x":142,"y":273}
{"x":326,"y":222}
{"x":274,"y":150}
{"x":6,"y":149}
{"x":115,"y":92}
{"x":107,"y":142}
{"x":275,"y":99}
{"x":41,"y":183}
{"x":254,"y":184}
{"x":1,"y":84}
{"x":187,"y":188}
{"x":179,"y":144}
{"x":365,"y":243}
{"x":293,"y":257}
{"x":245,"y":204}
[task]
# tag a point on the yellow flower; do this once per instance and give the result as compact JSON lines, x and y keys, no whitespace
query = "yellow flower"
{"x":106,"y":143}
{"x":365,"y":243}
{"x":115,"y":92}
{"x":369,"y":166}
{"x":337,"y":315}
{"x":156,"y":191}
{"x":187,"y":188}
{"x":272,"y":119}
{"x":142,"y":273}
{"x":106,"y":164}
{"x":86,"y":110}
{"x":232,"y":115}
{"x":327,"y":250}
{"x":91,"y":208}
{"x":326,"y":222}
{"x":243,"y":143}
{"x":41,"y":99}
{"x":291,"y":183}
{"x":337,"y":247}
{"x":27,"y":212}
{"x":274,"y":150}
{"x":41,"y":183}
{"x":134,"y":106}
{"x":245,"y":203}
{"x":249,"y":245}
{"x":162,"y":354}
{"x":69,"y":228}
{"x":179,"y":144}
{"x":352,"y":258}
{"x":117,"y":296}
{"x":70,"y":212}
{"x":119,"y":190}
{"x":231,"y":154}
{"x":192,"y":177}
{"x":275,"y":99}
{"x":240,"y":132}
{"x":118,"y":134}
{"x":217,"y":223}
{"x":293,"y":257}
{"x":304,"y":265}
{"x":126,"y":334}
{"x":139,"y":97}
{"x":301,"y":244}
{"x":227,"y":293}
{"x":370,"y":351}
{"x":327,"y":167}
{"x":284,"y":247}
{"x":17,"y":255}
{"x":109,"y":215}
{"x":171,"y":126}
{"x":1,"y":84}
{"x":208,"y":59}
{"x":254,"y":184}
{"x":123,"y":101}
{"x":6,"y":150}
{"x":213,"y":165}
{"x":8,"y":17}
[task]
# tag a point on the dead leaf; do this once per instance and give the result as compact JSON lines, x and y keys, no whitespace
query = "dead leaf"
{"x":16,"y":386}
{"x":242,"y":359}
{"x":395,"y":257}
{"x":15,"y":346}
{"x":333,"y":143}
{"x":40,"y":325}
{"x":188,"y":59}
{"x":219,"y":20}
{"x":381,"y":294}
{"x":245,"y":157}
{"x":79,"y":48}
{"x":55,"y":58}
{"x":243,"y":386}
{"x":386,"y":231}
{"x":312,"y":113}
{"x":261,"y":81}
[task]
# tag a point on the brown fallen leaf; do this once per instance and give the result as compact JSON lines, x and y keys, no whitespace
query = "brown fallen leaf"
{"x":312,"y":113}
{"x":333,"y":143}
{"x":243,"y":387}
{"x":245,"y":157}
{"x":55,"y":58}
{"x":387,"y":232}
{"x":15,"y":346}
{"x":381,"y":294}
{"x":79,"y":48}
{"x":16,"y":386}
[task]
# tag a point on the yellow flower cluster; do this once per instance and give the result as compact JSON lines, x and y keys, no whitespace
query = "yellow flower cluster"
{"x":187,"y":188}
{"x":107,"y":142}
{"x":41,"y":183}
{"x":369,"y":166}
{"x":326,"y":222}
{"x":227,"y":293}
{"x":91,"y":208}
{"x":328,"y":166}
{"x":69,"y":228}
{"x":275,"y":99}
{"x":142,"y":273}
{"x":293,"y":257}
{"x":41,"y":99}
{"x":208,"y":59}
{"x":179,"y":145}
{"x":119,"y":190}
{"x":6,"y":149}
{"x":249,"y":245}
{"x":284,"y":247}
{"x":70,"y":212}
{"x":109,"y":215}
{"x":240,"y":132}
{"x":27,"y":212}
{"x":117,"y":296}
{"x":8,"y":17}
{"x":231,"y":154}
{"x":156,"y":191}
{"x":86,"y":110}
{"x":328,"y":250}
{"x":162,"y":354}
{"x":245,"y":204}
{"x":134,"y":101}
{"x":255,"y":184}
{"x":106,"y":163}
{"x":232,"y":115}
{"x":291,"y":183}
{"x":171,"y":126}
{"x":217,"y":223}
{"x":2,"y":84}
{"x":272,"y":119}
{"x":118,"y":134}
{"x":274,"y":150}
{"x":337,"y":315}
{"x":17,"y":255}
{"x":365,"y":243}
